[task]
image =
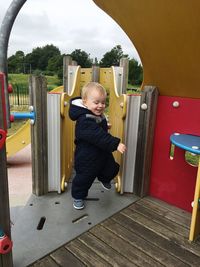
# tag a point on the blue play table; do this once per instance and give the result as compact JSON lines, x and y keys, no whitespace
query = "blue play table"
{"x":187,"y":142}
{"x":191,"y":143}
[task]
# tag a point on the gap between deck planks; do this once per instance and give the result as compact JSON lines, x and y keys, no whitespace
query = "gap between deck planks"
{"x":147,"y":233}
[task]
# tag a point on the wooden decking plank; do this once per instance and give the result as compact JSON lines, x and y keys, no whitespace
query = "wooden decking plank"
{"x":150,"y":249}
{"x":162,"y":231}
{"x":105,"y":251}
{"x":85,"y":254}
{"x":171,"y":208}
{"x":167,"y":245}
{"x":151,"y":215}
{"x":132,"y":253}
{"x":64,"y":258}
{"x":165,"y":212}
{"x":149,"y":232}
{"x":46,"y":262}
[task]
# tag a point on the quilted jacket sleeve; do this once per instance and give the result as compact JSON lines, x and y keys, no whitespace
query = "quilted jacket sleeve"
{"x":91,"y":132}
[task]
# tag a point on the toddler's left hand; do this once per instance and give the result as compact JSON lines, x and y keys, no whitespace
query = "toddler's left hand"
{"x":109,"y":125}
{"x":121,"y":148}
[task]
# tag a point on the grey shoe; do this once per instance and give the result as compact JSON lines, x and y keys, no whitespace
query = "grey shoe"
{"x":78,"y":204}
{"x":106,"y":186}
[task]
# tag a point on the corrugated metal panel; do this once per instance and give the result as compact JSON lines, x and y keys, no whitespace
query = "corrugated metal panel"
{"x":54,"y":157}
{"x":131,"y":133}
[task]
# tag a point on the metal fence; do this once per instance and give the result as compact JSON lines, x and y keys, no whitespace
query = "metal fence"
{"x":19,"y":96}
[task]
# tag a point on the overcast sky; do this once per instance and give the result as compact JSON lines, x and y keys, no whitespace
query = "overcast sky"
{"x":67,"y":24}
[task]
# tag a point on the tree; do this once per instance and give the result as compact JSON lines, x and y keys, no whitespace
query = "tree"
{"x":112,"y":57}
{"x":135,"y":72}
{"x":16,"y":62}
{"x":40,"y":56}
{"x":55,"y":65}
{"x":82,"y":58}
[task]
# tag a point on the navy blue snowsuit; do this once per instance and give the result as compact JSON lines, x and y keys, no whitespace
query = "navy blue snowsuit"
{"x":94,"y":147}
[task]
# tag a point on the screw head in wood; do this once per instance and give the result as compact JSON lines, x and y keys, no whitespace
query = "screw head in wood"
{"x":32,"y":122}
{"x":31,"y":108}
{"x":144,"y":106}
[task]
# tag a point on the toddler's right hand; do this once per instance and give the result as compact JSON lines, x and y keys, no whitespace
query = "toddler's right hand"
{"x":121,"y":148}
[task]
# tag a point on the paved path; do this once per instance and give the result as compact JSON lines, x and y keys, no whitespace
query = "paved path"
{"x":20,"y":177}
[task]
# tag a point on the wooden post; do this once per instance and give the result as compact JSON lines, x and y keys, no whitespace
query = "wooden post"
{"x":39,"y":144}
{"x":124,"y":63}
{"x":144,"y":150}
{"x":6,"y":259}
{"x":67,"y":60}
{"x":95,"y":73}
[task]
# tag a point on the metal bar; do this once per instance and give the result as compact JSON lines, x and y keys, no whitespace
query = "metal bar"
{"x":5,"y":260}
{"x":23,"y":115}
{"x":5,"y":30}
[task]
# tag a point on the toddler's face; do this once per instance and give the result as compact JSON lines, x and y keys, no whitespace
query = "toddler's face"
{"x":95,"y":102}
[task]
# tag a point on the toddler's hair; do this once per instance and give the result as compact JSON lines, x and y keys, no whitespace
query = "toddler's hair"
{"x":92,"y":86}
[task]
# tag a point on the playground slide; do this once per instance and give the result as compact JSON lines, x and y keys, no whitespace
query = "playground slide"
{"x":22,"y":137}
{"x":19,"y":140}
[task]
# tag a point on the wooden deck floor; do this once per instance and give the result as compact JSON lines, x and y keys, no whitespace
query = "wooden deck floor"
{"x":147,"y":233}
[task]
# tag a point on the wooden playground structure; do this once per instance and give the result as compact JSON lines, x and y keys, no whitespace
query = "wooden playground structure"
{"x":167,"y":39}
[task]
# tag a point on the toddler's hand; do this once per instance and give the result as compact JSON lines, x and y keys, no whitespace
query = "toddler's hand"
{"x":121,"y":148}
{"x":109,"y":125}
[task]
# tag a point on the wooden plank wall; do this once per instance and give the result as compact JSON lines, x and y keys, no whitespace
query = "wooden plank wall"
{"x":39,"y":146}
{"x":144,"y":152}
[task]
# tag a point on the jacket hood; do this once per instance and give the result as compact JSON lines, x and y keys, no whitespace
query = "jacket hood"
{"x":77,"y":108}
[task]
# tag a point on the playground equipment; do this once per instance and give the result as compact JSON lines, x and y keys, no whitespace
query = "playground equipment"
{"x":170,"y":63}
{"x":191,"y":143}
{"x":61,"y":128}
{"x":2,"y":138}
{"x":171,"y":180}
{"x":21,"y":116}
{"x":18,"y":140}
{"x":5,"y":243}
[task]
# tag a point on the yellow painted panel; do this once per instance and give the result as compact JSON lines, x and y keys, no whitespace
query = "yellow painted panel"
{"x":19,"y":140}
{"x":67,"y":132}
{"x":166,"y":36}
{"x":106,"y":78}
{"x":116,"y":115}
{"x":117,"y":111}
{"x":86,"y":76}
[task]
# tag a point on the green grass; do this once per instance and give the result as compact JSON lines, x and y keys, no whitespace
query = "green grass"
{"x":22,"y":79}
{"x":133,"y":89}
{"x":190,"y":158}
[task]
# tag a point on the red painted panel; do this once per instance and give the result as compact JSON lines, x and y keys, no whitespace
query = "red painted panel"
{"x":174,"y":180}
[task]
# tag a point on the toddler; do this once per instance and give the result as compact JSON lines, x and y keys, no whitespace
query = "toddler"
{"x":94,"y":145}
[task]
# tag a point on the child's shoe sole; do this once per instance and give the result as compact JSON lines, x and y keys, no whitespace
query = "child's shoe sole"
{"x":104,"y":187}
{"x":78,"y":204}
{"x":78,"y":208}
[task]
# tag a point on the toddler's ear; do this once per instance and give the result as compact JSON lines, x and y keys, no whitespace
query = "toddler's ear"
{"x":84,"y":102}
